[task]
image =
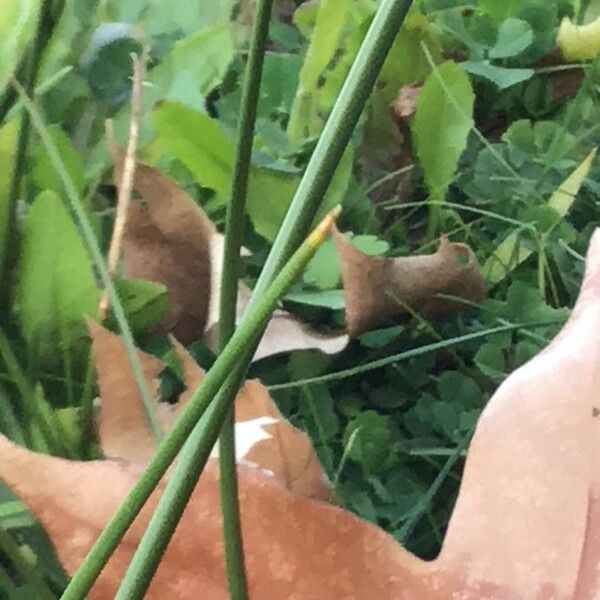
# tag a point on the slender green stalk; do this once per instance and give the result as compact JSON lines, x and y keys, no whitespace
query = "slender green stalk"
{"x":96,"y":255}
{"x":328,"y":152}
{"x":30,"y":399}
{"x":420,"y":351}
{"x":227,"y":365}
{"x":6,"y":585}
{"x":190,"y":464}
{"x":197,"y":449}
{"x":27,"y":571}
{"x":234,"y":232}
{"x":86,"y":414}
{"x":31,"y":71}
{"x":335,"y":136}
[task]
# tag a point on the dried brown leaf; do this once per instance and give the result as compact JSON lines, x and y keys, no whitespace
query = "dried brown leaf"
{"x":295,"y":547}
{"x":122,"y":427}
{"x":170,"y":240}
{"x":167,"y":239}
{"x":287,"y":453}
{"x":526,"y":523}
{"x":264,"y":438}
{"x":378,"y":289}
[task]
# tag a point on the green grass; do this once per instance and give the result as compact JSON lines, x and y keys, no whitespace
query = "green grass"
{"x":390,"y":415}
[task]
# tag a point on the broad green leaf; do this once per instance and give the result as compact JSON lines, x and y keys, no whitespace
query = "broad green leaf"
{"x":8,"y":144}
{"x":145,"y":302}
{"x":199,"y":142}
{"x":56,"y":288}
{"x":195,"y":66}
{"x":334,"y":41}
{"x":512,"y":252}
{"x":325,"y":38}
{"x":203,"y":146}
{"x":333,"y":299}
{"x":442,"y":122}
{"x":44,"y":174}
{"x":18,"y":23}
{"x":514,"y":36}
{"x":503,"y":77}
{"x":501,"y":10}
{"x":270,"y":193}
{"x":371,"y":442}
{"x":490,"y":360}
{"x":323,"y":271}
{"x":406,"y":64}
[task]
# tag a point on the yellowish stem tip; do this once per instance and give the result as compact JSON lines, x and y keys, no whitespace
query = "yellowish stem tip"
{"x":322,"y":230}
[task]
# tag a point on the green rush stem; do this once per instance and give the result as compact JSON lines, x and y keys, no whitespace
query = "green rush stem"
{"x":409,"y":526}
{"x":190,"y":464}
{"x":95,"y":253}
{"x":303,"y":208}
{"x":27,"y":571}
{"x":234,"y":232}
{"x":6,"y":584}
{"x":335,"y":136}
{"x":394,"y":358}
{"x":86,"y":415}
{"x":30,"y":398}
{"x":10,"y":244}
{"x":230,"y":364}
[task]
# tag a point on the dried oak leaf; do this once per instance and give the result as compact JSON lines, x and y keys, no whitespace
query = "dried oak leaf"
{"x":378,"y":289}
{"x":264,"y":438}
{"x":169,"y":239}
{"x":526,"y":523}
{"x":283,"y":333}
{"x":121,"y":423}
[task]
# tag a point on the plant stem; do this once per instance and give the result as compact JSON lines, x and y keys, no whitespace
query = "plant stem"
{"x":95,"y":253}
{"x":190,"y":464}
{"x":30,"y":400}
{"x":27,"y":571}
{"x":413,"y":352}
{"x":86,"y":414}
{"x":234,"y":232}
{"x":335,"y":136}
{"x":204,"y":435}
{"x":19,"y":164}
{"x":328,"y":152}
{"x":227,"y":365}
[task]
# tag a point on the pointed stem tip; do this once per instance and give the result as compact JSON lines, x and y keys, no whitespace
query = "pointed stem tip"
{"x":323,"y":229}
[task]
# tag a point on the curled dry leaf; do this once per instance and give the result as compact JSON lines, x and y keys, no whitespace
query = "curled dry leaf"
{"x":122,"y":428}
{"x":526,"y":524}
{"x":170,"y":240}
{"x":283,"y":333}
{"x":379,"y":289}
{"x":167,"y":239}
{"x":264,"y":438}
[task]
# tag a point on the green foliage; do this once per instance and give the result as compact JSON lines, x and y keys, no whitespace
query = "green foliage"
{"x":205,"y":148}
{"x":442,"y":122}
{"x":8,"y":142}
{"x":494,"y":157}
{"x":56,"y":286}
{"x":18,"y":21}
{"x":145,"y":303}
